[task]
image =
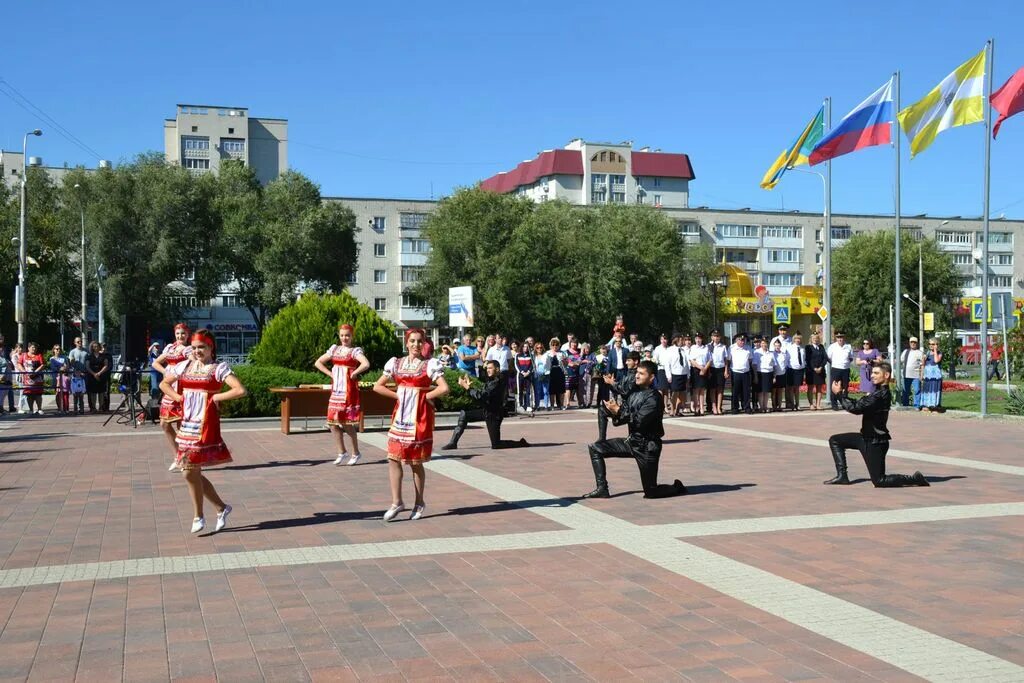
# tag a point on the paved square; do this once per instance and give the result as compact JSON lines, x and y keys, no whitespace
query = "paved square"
{"x":761,"y":574}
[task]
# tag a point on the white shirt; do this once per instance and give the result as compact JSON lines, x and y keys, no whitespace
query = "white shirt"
{"x":658,"y":355}
{"x":912,"y":361}
{"x":740,"y":359}
{"x":719,"y":355}
{"x":785,"y":341}
{"x":699,"y":356}
{"x":673,"y":358}
{"x":501,"y":354}
{"x":839,"y":356}
{"x":796,"y":356}
{"x":765,"y":361}
{"x":781,"y":361}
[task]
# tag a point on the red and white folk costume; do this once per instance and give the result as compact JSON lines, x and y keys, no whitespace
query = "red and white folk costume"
{"x":344,"y":406}
{"x":411,"y":437}
{"x":199,"y":440}
{"x":174,"y":353}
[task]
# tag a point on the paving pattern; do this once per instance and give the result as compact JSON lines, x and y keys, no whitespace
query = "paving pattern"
{"x":760,"y":574}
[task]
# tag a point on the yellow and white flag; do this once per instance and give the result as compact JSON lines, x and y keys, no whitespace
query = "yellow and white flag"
{"x":957,"y":101}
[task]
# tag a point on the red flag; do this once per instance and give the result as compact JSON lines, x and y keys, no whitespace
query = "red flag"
{"x":1009,"y":99}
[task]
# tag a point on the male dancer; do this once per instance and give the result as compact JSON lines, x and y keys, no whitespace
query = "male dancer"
{"x":873,"y":439}
{"x":492,"y":401}
{"x":621,"y":389}
{"x":642,"y":411}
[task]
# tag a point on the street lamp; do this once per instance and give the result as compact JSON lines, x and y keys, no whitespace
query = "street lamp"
{"x":20,"y":314}
{"x":101,"y":272}
{"x":953,"y":343}
{"x":715,"y":285}
{"x":85,"y":316}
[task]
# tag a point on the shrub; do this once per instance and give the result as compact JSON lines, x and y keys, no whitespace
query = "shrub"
{"x":1015,"y":402}
{"x":302,"y":331}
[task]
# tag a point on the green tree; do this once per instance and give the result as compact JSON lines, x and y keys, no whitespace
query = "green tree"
{"x":303,"y":330}
{"x":552,"y":268}
{"x":863,"y":287}
{"x":281,"y":239}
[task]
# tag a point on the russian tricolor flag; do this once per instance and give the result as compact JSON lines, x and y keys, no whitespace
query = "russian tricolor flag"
{"x":869,"y":124}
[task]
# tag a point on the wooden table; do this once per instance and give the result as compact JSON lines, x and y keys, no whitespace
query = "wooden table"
{"x":308,"y":400}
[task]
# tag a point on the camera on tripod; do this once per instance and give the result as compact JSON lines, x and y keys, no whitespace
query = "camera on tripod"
{"x":132,"y":410}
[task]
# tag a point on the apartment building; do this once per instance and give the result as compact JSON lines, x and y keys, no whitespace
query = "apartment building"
{"x":11,"y":165}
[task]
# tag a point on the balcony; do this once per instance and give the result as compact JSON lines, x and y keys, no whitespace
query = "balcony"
{"x":405,"y":259}
{"x":407,"y":314}
{"x":781,"y":267}
{"x":737,"y":242}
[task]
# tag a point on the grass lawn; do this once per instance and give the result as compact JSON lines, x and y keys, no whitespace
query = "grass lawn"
{"x":969,"y":400}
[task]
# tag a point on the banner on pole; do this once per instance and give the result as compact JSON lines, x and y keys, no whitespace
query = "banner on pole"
{"x":460,"y":306}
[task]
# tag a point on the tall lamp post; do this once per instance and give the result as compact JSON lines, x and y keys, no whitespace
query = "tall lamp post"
{"x":85,"y":316}
{"x":721,"y":283}
{"x":101,"y":272}
{"x":20,"y":314}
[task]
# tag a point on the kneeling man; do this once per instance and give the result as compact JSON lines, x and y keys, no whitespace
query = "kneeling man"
{"x":642,"y":410}
{"x":491,"y":400}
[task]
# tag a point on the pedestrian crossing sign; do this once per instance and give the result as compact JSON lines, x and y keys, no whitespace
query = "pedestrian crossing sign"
{"x":977,"y":310}
{"x":781,"y":313}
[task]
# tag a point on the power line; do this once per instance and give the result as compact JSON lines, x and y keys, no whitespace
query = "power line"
{"x":49,"y":120}
{"x":416,"y":162}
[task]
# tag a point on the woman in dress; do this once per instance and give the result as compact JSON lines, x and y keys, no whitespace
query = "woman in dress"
{"x":931,"y":385}
{"x":170,"y":411}
{"x":195,"y":384}
{"x":865,"y":360}
{"x":31,"y":365}
{"x":58,"y":364}
{"x":815,"y":357}
{"x":411,"y":437}
{"x":343,"y":410}
{"x":523,"y":360}
{"x":541,"y":378}
{"x":556,"y":374}
{"x":572,"y":359}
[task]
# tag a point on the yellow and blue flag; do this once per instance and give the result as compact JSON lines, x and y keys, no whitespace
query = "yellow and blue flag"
{"x":798,"y":152}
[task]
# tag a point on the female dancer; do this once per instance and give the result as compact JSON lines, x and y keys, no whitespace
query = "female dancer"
{"x":343,"y":410}
{"x":30,"y":364}
{"x":170,"y":411}
{"x":411,"y":437}
{"x":199,"y":443}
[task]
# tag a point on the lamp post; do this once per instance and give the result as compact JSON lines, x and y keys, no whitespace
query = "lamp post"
{"x":715,"y":285}
{"x":20,"y":314}
{"x":920,"y":291}
{"x":953,"y":343}
{"x":85,"y":312}
{"x":101,"y":272}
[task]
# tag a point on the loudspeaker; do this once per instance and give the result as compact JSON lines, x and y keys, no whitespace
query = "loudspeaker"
{"x":134,"y":339}
{"x":153,"y":410}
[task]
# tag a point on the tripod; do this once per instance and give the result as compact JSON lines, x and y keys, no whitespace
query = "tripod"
{"x":129,"y":411}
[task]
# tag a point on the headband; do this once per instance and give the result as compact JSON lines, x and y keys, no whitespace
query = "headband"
{"x":181,"y":326}
{"x":205,"y":338}
{"x":348,"y":327}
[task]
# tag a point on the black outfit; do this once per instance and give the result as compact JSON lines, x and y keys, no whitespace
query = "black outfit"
{"x":816,"y":359}
{"x":492,"y":411}
{"x":94,"y":387}
{"x":642,"y":410}
{"x":621,"y":389}
{"x":872,"y":440}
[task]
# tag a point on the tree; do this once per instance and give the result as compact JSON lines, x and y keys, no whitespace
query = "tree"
{"x":863,"y":287}
{"x":282,"y":239}
{"x":546,"y":269}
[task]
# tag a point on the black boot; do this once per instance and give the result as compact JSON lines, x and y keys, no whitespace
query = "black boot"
{"x":895,"y":480}
{"x":680,"y":489}
{"x":601,"y":490}
{"x":602,"y":423}
{"x":839,"y":456}
{"x":453,"y":442}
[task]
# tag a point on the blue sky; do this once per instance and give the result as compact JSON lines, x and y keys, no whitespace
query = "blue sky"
{"x":395,"y":99}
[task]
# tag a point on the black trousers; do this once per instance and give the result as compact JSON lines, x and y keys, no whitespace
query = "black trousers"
{"x":602,"y":420}
{"x":843,"y":376}
{"x":493,"y":423}
{"x":874,"y":453}
{"x":740,"y":391}
{"x":646,"y":460}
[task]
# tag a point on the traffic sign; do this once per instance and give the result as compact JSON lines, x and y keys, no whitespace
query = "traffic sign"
{"x":929,"y":322}
{"x":977,"y":310}
{"x":823,"y":313}
{"x":781,"y":314}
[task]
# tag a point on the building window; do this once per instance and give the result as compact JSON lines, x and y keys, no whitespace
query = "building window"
{"x":963,"y":259}
{"x":732,"y":230}
{"x":657,"y":200}
{"x":841,"y":232}
{"x":190,"y":143}
{"x":785,"y":231}
{"x":231,"y":131}
{"x":380,"y":249}
{"x":415,"y":246}
{"x":1000,"y":259}
{"x":412,"y":273}
{"x":912,"y":232}
{"x":619,"y":197}
{"x":380,"y":304}
{"x":997,"y":238}
{"x":687,"y":228}
{"x":953,"y":237}
{"x":412,"y":221}
{"x":783,"y":279}
{"x":817,"y":259}
{"x":379,"y":223}
{"x":195,"y":129}
{"x":380,"y":277}
{"x":657,"y":182}
{"x":231,"y":301}
{"x":353,"y":278}
{"x":1000,"y":281}
{"x":968,"y":281}
{"x":783,"y":255}
{"x":232,"y":146}
{"x":412,"y":301}
{"x":616,"y":179}
{"x":196,"y":164}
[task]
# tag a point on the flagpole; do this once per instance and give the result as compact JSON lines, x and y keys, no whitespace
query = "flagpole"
{"x":897,"y":333}
{"x":989,"y":58}
{"x":827,"y":300}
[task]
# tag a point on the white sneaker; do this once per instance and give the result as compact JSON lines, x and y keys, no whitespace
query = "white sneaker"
{"x":393,"y":512}
{"x":222,"y":518}
{"x":417,"y":511}
{"x":39,"y":412}
{"x":355,"y":458}
{"x":174,"y":467}
{"x":529,"y":409}
{"x":340,"y":460}
{"x":198,"y":524}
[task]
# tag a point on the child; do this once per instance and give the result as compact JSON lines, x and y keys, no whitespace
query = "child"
{"x":78,"y":391}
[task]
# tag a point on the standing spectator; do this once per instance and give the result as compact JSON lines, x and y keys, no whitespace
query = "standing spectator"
{"x":541,"y":376}
{"x":699,"y":359}
{"x":484,"y":347}
{"x":912,"y":361}
{"x":766,"y":364}
{"x":32,"y":367}
{"x":467,"y":355}
{"x":155,"y":376}
{"x":815,"y":378}
{"x":617,"y":359}
{"x":931,"y":383}
{"x":587,"y":363}
{"x":663,"y":381}
{"x":17,"y":379}
{"x":445,"y":357}
{"x":677,"y":369}
{"x":61,"y":381}
{"x":569,"y":339}
{"x":78,"y":390}
{"x":840,"y":356}
{"x":95,"y":369}
{"x":797,"y":357}
{"x":105,"y":378}
{"x":741,"y":369}
{"x":556,"y":374}
{"x":501,"y":354}
{"x":599,"y":391}
{"x":524,"y":377}
{"x":78,"y":354}
{"x":684,"y":350}
{"x":572,"y":359}
{"x":719,"y":371}
{"x":6,"y":372}
{"x":867,"y":358}
{"x":781,"y":378}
